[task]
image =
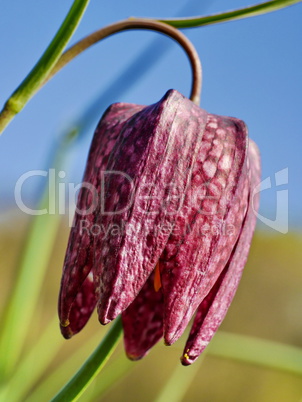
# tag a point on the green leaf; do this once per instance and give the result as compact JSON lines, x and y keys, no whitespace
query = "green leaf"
{"x":252,"y":11}
{"x":32,"y":366}
{"x":179,"y":382}
{"x":117,"y":369}
{"x":47,"y":61}
{"x":32,"y":263}
{"x":92,"y":366}
{"x":257,"y":351}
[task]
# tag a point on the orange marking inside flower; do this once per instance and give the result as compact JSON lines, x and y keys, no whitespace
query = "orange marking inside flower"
{"x":157,"y":280}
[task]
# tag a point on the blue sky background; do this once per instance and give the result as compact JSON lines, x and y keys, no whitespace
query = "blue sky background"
{"x":251,"y":70}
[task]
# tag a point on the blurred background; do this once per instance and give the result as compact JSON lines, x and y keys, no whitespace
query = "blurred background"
{"x":251,"y":70}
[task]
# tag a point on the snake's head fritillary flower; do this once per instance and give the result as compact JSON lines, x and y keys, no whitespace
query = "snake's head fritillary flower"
{"x":163,"y":225}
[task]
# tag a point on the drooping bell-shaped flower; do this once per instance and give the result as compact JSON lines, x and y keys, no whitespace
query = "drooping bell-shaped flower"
{"x":163,"y":225}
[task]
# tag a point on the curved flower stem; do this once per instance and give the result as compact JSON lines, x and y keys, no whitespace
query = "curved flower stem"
{"x":33,"y":81}
{"x":36,"y":79}
{"x":125,"y":25}
{"x":92,"y":366}
{"x":246,"y":12}
{"x":49,"y":58}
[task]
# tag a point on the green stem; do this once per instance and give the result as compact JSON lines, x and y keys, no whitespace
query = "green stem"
{"x":93,"y":365}
{"x":252,"y":11}
{"x":130,"y":24}
{"x":115,"y":372}
{"x":40,"y":73}
{"x":10,"y":109}
{"x":43,"y":67}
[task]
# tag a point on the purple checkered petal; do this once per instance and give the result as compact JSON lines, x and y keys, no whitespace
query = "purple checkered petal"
{"x":151,"y":167}
{"x":143,"y":321}
{"x":77,"y":297}
{"x":213,"y":308}
{"x":193,"y":261}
